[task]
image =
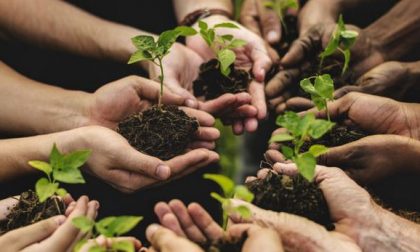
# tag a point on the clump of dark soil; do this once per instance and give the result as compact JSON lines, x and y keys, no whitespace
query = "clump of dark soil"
{"x":28,"y":210}
{"x":289,"y":33}
{"x":225,"y":245}
{"x":163,"y":132}
{"x":295,"y":195}
{"x":211,"y":83}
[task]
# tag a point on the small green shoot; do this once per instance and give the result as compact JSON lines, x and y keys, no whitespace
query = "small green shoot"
{"x":155,"y":50}
{"x":321,"y":91}
{"x":281,"y":6}
{"x":238,"y":8}
{"x":61,"y":168}
{"x":230,"y":190}
{"x":221,"y":45}
{"x":109,"y":227}
{"x":341,"y":40}
{"x":300,"y":130}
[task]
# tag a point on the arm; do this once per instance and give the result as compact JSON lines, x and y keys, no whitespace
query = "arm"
{"x":185,"y":7}
{"x":59,"y":25}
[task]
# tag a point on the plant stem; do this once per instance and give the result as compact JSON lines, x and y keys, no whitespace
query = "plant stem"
{"x":56,"y":205}
{"x":161,"y":82}
{"x":327,"y":111}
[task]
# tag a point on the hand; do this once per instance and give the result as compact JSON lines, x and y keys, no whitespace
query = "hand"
{"x":253,"y":56}
{"x":54,"y":234}
{"x":106,"y":243}
{"x":194,"y":222}
{"x":120,"y":165}
{"x":261,"y":20}
{"x":165,"y":240}
{"x":376,"y":115}
{"x":259,"y":238}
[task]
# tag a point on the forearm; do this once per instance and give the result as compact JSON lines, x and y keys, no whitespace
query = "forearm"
{"x":396,"y":33}
{"x":28,"y":107}
{"x":15,"y":153}
{"x":59,"y":25}
{"x":185,"y":7}
{"x":390,"y":233}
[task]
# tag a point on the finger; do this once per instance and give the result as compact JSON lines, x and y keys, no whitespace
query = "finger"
{"x":274,"y":103}
{"x":256,"y":89}
{"x":202,"y":144}
{"x":299,"y":49}
{"x":347,"y":89}
{"x":67,"y":199}
{"x":281,"y":81}
{"x":171,"y":222}
{"x":299,"y":104}
{"x":164,"y":240}
{"x":190,"y":159}
{"x":242,"y":112}
{"x":174,"y":87}
{"x":289,"y":169}
{"x":140,"y":163}
{"x":270,"y":23}
{"x":204,"y":118}
{"x":33,"y":234}
{"x":340,"y":156}
{"x":205,"y":222}
{"x":338,"y":107}
{"x":261,"y":59}
{"x":187,"y":224}
{"x":259,"y":239}
{"x":249,"y":179}
{"x":280,"y":108}
{"x":6,"y":205}
{"x":274,"y":156}
{"x":251,"y":124}
{"x":207,"y":134}
{"x":219,"y":105}
{"x":238,"y":127}
{"x":249,"y":12}
{"x":262,"y":173}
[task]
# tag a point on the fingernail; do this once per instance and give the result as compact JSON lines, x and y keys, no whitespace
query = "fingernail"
{"x":190,"y":103}
{"x":272,"y":36}
{"x":60,"y":220}
{"x":163,"y":171}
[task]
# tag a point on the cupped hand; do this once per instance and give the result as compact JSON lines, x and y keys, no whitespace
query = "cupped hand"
{"x":120,"y":165}
{"x":165,"y":240}
{"x":54,"y":234}
{"x":253,"y":56}
{"x":192,"y":222}
{"x":258,"y":238}
{"x":106,"y":243}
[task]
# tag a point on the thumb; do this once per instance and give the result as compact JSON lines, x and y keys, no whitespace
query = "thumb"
{"x":35,"y":233}
{"x":336,"y":156}
{"x":163,"y":239}
{"x":270,"y":23}
{"x":299,"y":49}
{"x":347,"y":89}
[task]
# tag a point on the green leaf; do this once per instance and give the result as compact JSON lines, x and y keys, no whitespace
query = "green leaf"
{"x":319,"y":127}
{"x":185,"y":31}
{"x":166,"y":40}
{"x":56,"y":158}
{"x":324,"y":86}
{"x":287,"y":152}
{"x":97,"y":248}
{"x":79,"y":245}
{"x":290,"y":4}
{"x":226,"y":25}
{"x":317,"y":150}
{"x":243,"y":211}
{"x":122,"y":246}
{"x":242,"y":192}
{"x":123,"y":224}
{"x":319,"y":102}
{"x":144,"y":42}
{"x":61,"y":192}
{"x":102,"y":226}
{"x":42,"y":166}
{"x":346,"y":54}
{"x":307,"y":86}
{"x":282,"y":137}
{"x":226,"y":58}
{"x":139,"y":56}
{"x":224,"y":182}
{"x":236,"y":43}
{"x":306,"y":165}
{"x":83,"y":223}
{"x":218,"y":197}
{"x":44,"y":189}
{"x":68,"y":175}
{"x":269,"y":4}
{"x":304,"y":124}
{"x":76,"y":159}
{"x":288,"y":120}
{"x":202,"y":25}
{"x":227,"y":37}
{"x":69,"y":171}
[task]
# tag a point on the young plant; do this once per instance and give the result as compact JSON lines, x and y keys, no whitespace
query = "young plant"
{"x":300,"y":130}
{"x":341,"y":40}
{"x":61,"y":168}
{"x":230,"y":191}
{"x":155,"y":50}
{"x":321,"y":91}
{"x":109,"y":227}
{"x":281,"y":6}
{"x":238,"y":7}
{"x":221,"y":45}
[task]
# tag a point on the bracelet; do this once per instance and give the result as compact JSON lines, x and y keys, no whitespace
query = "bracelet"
{"x":193,"y":17}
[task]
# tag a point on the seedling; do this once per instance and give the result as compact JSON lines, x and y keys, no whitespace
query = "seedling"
{"x":281,"y":6}
{"x":300,"y":130}
{"x":238,"y":7}
{"x":230,"y":190}
{"x":321,"y":91}
{"x":109,"y":227}
{"x":155,"y":50}
{"x":341,"y":40}
{"x":221,"y":45}
{"x":61,"y":168}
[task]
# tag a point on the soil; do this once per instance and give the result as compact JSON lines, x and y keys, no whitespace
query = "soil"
{"x":294,"y":195}
{"x":211,"y":83}
{"x":29,"y":210}
{"x":413,"y":216}
{"x":225,"y":245}
{"x":163,"y":132}
{"x":289,"y":33}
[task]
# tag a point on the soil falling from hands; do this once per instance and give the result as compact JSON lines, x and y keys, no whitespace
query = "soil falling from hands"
{"x":163,"y":132}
